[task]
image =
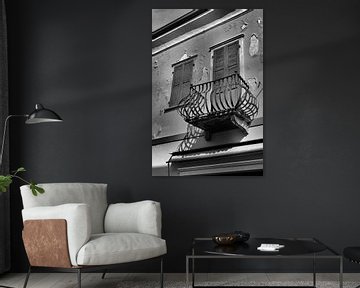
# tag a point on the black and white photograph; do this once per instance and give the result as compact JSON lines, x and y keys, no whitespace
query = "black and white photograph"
{"x":207,"y":92}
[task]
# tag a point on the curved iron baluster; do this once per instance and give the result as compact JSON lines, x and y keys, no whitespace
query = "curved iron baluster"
{"x":227,"y":93}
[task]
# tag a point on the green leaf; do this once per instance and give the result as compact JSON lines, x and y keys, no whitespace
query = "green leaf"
{"x":32,"y":187}
{"x":36,"y":189}
{"x":5,"y":182}
{"x":39,"y":189}
{"x":20,"y":169}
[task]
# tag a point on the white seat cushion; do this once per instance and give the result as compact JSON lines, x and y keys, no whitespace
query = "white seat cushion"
{"x":137,"y":217}
{"x":113,"y":248}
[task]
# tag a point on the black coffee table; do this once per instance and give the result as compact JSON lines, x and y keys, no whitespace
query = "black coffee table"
{"x":294,"y":248}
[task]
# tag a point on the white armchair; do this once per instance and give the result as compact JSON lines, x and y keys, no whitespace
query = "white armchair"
{"x":72,"y":228}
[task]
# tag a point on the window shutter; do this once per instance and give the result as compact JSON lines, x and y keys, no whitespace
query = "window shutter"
{"x":176,"y":85}
{"x":219,"y":63}
{"x":182,"y":77}
{"x":226,"y":61}
{"x":186,"y":80}
{"x":233,"y":58}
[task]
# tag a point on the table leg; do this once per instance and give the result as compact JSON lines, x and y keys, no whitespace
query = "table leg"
{"x":187,"y":272}
{"x":314,"y":271}
{"x":193,"y":267}
{"x":341,"y":273}
{"x":193,"y":272}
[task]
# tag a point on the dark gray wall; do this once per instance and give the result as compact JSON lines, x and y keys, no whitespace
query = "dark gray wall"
{"x":91,"y":61}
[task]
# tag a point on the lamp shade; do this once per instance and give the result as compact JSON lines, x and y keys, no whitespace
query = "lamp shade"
{"x":42,"y":115}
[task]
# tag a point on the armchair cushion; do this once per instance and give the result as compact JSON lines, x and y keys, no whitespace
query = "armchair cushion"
{"x":113,"y":248}
{"x":78,"y":221}
{"x":138,"y":217}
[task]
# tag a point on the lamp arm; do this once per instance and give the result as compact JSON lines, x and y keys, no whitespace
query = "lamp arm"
{"x":4,"y":134}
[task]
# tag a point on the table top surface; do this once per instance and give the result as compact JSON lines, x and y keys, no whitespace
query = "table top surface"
{"x":292,"y":247}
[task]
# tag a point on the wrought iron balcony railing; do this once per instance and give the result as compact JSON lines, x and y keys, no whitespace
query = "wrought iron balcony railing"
{"x":219,"y":105}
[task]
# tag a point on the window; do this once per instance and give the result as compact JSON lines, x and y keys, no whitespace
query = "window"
{"x":182,"y":77}
{"x":226,"y":61}
{"x":227,"y":58}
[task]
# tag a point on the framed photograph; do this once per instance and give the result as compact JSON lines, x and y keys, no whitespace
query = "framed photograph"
{"x":207,"y":92}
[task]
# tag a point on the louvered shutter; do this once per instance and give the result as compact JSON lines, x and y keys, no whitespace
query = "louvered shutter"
{"x":186,"y":79}
{"x":232,"y":58}
{"x":182,"y":77}
{"x":176,"y":85}
{"x":219,"y":63}
{"x":226,"y":61}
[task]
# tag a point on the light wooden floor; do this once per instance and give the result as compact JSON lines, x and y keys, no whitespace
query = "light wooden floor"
{"x":117,"y":280}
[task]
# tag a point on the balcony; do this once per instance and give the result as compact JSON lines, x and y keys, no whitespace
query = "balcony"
{"x":219,"y":105}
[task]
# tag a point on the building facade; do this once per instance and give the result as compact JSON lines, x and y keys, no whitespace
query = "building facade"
{"x":207,"y":92}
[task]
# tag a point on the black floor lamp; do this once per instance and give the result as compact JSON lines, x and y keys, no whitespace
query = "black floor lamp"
{"x":39,"y":115}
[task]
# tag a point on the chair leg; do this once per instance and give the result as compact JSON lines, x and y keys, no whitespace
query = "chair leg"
{"x":79,"y":277}
{"x":161,"y":273}
{"x":27,"y":277}
{"x":103,"y":275}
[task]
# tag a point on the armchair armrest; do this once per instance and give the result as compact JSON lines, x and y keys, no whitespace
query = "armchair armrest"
{"x":78,"y":225}
{"x":138,"y":217}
